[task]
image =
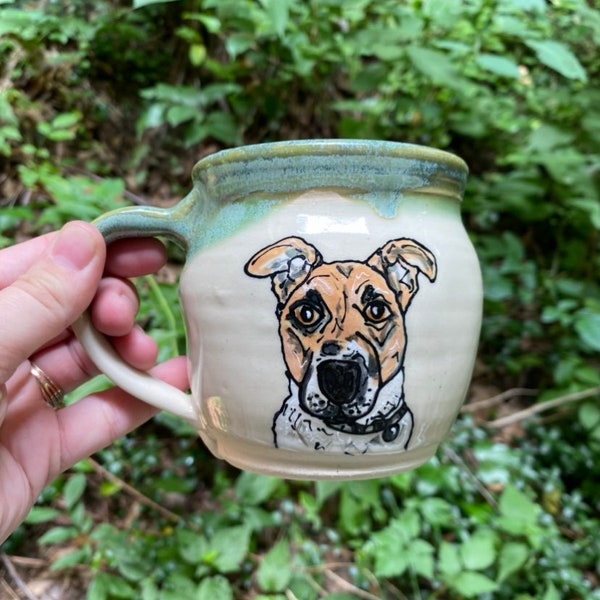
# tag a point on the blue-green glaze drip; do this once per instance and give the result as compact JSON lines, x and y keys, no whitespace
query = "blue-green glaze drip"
{"x":237,"y":187}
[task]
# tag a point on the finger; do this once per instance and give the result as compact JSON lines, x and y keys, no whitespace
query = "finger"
{"x":68,"y":365}
{"x":134,"y":257}
{"x":47,"y":298}
{"x":114,"y":307}
{"x":126,"y":258}
{"x":137,"y":348}
{"x":100,"y":419}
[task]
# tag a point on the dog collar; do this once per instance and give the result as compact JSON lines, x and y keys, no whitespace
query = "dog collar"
{"x":388,"y":425}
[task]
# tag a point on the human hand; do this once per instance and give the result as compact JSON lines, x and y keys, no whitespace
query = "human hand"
{"x":45,"y":285}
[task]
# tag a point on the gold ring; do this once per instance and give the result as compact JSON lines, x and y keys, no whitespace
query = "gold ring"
{"x":3,"y":401}
{"x":52,"y":394}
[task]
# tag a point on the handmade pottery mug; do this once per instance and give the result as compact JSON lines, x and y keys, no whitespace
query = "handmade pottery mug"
{"x":332,"y":302}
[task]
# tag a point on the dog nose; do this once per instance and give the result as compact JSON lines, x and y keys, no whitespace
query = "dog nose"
{"x":330,"y":348}
{"x":339,"y":380}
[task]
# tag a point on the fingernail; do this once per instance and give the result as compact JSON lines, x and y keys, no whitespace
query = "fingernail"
{"x":74,"y":247}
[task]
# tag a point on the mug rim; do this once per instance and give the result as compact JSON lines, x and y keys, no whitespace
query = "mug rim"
{"x":369,"y":169}
{"x":329,"y":146}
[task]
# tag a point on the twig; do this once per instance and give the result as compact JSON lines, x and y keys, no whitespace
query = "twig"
{"x":459,"y":462}
{"x":171,"y":516}
{"x":315,"y":585}
{"x":349,"y":587}
{"x":11,"y":63}
{"x":542,"y":407}
{"x":10,"y":568}
{"x":497,"y":399}
{"x":29,"y":562}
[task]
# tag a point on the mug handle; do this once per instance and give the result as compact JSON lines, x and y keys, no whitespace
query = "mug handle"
{"x":139,"y":221}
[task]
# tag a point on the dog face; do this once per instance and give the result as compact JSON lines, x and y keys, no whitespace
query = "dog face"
{"x":341,"y":324}
{"x":343,"y":338}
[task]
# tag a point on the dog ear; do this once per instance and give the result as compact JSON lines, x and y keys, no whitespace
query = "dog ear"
{"x":400,"y":261}
{"x":288,"y":262}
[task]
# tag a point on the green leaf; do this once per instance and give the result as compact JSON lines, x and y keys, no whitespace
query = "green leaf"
{"x":66,"y":120}
{"x":438,"y":512}
{"x":449,"y":559}
{"x":211,"y":23}
{"x":469,"y":584}
{"x":551,"y":593}
{"x":518,"y":512}
{"x":420,"y":557}
{"x":56,"y":135}
{"x":253,"y":489}
{"x":587,"y":326}
{"x":197,"y":54}
{"x":389,"y":560}
{"x":278,"y":12}
{"x":326,"y":489}
{"x":499,"y":65}
{"x":41,"y":514}
{"x":391,"y":547}
{"x":275,"y":571}
{"x":178,"y":586}
{"x":223,"y":127}
{"x":591,"y":207}
{"x":548,"y":137}
{"x":228,"y":548}
{"x":559,"y":58}
{"x":386,"y":43}
{"x":214,"y":588}
{"x":74,"y":488}
{"x":589,"y":415}
{"x":191,"y":546}
{"x":238,"y":43}
{"x":58,"y":535}
{"x":529,"y":5}
{"x":105,"y":585}
{"x":479,"y":551}
{"x":97,"y":590}
{"x":66,"y":561}
{"x":435,"y":65}
{"x":513,"y":556}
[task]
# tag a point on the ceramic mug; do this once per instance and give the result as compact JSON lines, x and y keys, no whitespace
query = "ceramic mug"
{"x":332,"y":302}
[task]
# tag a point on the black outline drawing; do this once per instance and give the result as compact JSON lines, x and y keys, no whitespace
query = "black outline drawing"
{"x":343,"y":340}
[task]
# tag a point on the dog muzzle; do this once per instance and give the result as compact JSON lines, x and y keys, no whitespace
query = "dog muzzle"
{"x":343,"y":383}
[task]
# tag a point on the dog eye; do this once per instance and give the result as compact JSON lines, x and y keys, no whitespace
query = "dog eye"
{"x":306,"y":314}
{"x":377,"y":311}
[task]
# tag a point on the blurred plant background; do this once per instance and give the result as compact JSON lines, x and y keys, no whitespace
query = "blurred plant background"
{"x":105,"y":103}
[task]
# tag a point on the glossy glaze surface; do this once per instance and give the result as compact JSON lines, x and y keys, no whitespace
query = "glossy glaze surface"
{"x":332,"y":301}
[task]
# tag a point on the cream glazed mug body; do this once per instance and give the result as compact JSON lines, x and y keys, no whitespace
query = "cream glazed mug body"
{"x":332,"y":302}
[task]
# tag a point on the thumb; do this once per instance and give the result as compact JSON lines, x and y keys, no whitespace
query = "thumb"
{"x":47,"y":298}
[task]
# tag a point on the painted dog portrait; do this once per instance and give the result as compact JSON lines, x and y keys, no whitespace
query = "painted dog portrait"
{"x":343,"y":339}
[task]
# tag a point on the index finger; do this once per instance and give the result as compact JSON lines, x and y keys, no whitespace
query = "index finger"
{"x":134,"y":257}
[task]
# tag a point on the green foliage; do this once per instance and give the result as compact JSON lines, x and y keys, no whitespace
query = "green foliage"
{"x":429,"y":533}
{"x":510,"y":86}
{"x":99,"y":98}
